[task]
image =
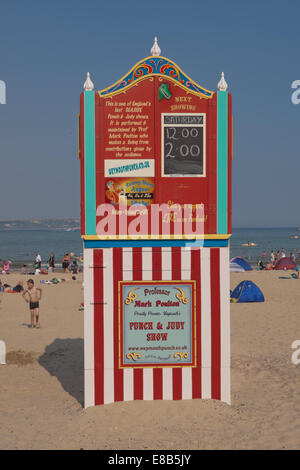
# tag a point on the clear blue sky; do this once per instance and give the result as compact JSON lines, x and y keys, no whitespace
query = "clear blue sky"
{"x":46,"y":48}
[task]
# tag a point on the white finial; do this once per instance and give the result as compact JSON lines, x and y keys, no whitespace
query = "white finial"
{"x":88,"y":84}
{"x":155,"y":50}
{"x":222,"y":85}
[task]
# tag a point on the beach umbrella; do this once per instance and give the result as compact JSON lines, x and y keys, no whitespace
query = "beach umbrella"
{"x":285,"y":263}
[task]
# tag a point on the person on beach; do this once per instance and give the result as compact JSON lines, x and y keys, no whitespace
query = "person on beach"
{"x":6,"y":267}
{"x":260,"y":265}
{"x":74,"y":267}
{"x":11,"y":290}
{"x":277,"y":256}
{"x":38,"y":261}
{"x":282,"y":253}
{"x":33,"y":298}
{"x":51,"y":262}
{"x":66,"y":262}
{"x":292,"y":256}
{"x":297,"y":274}
{"x":272,"y":257}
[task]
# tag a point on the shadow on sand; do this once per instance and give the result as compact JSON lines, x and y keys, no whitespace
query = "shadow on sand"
{"x":64,"y":360}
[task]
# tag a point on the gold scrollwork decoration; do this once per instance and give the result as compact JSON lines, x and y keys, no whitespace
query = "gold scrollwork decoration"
{"x":181,"y":355}
{"x":131,"y":296}
{"x":134,"y":356}
{"x":181,"y":296}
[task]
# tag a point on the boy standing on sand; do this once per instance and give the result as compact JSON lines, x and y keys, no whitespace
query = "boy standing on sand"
{"x":35,"y":295}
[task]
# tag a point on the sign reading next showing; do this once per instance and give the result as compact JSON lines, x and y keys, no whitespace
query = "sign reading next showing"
{"x":157,"y":323}
{"x":183,"y":145}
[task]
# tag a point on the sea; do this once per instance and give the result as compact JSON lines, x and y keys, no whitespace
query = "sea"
{"x":20,"y":240}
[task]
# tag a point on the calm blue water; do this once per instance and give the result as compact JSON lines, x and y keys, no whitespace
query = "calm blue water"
{"x":20,"y":240}
{"x":266,"y":239}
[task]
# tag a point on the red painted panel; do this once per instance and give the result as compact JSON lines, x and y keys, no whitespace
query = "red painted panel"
{"x":196,"y":275}
{"x":118,"y":373}
{"x":98,"y":327}
{"x":188,"y":190}
{"x":137,"y":271}
{"x":176,"y":275}
{"x":129,"y":129}
{"x":157,"y":275}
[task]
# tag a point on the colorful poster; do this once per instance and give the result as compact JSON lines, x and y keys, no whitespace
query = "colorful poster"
{"x":157,"y":323}
{"x":134,"y":190}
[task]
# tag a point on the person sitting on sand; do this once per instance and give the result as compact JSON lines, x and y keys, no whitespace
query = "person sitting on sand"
{"x":6,"y":267}
{"x":260,"y":264}
{"x":34,"y":297}
{"x":74,"y":267}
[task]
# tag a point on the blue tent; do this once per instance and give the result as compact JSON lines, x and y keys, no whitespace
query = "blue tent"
{"x":242,"y":262}
{"x":247,"y":291}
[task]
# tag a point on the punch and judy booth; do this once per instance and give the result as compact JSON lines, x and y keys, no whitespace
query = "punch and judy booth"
{"x":155,"y":153}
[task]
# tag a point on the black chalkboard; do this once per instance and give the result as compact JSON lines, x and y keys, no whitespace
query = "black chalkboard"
{"x":183,"y":151}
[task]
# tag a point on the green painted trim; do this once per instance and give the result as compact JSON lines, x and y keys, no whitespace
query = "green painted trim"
{"x":222,"y":165}
{"x":89,"y":163}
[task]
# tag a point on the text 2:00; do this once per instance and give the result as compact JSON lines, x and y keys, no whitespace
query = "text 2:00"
{"x":184,"y":150}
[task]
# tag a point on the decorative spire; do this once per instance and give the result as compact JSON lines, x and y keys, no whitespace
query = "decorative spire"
{"x":155,"y":50}
{"x":222,"y":85}
{"x":88,"y":84}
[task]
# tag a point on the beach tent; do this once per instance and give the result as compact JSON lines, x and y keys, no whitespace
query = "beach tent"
{"x":236,"y":268}
{"x":285,"y":263}
{"x":247,"y":291}
{"x":242,"y":262}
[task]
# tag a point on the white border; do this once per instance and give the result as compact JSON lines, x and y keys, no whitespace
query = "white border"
{"x":180,"y":125}
{"x":89,"y":365}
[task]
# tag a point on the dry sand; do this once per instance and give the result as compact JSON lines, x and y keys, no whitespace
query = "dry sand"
{"x":41,"y":386}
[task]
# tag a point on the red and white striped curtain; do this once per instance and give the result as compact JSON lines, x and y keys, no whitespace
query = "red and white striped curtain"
{"x":105,"y":382}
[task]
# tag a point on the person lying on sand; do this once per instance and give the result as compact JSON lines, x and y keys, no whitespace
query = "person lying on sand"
{"x":33,"y":298}
{"x":7,"y":288}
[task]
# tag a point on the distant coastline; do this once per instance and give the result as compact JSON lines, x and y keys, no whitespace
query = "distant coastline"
{"x":41,"y":224}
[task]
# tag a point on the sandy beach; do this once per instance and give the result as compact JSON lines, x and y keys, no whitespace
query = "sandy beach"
{"x":41,"y":386}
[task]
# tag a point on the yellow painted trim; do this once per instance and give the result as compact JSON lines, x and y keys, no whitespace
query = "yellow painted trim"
{"x":158,"y":237}
{"x":154,"y":75}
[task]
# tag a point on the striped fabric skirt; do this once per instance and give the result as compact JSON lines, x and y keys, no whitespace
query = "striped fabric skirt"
{"x":209,"y":377}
